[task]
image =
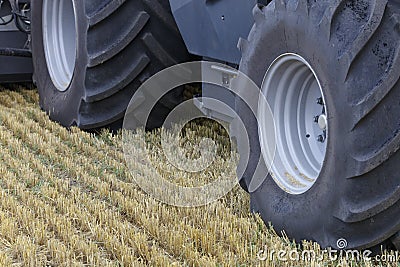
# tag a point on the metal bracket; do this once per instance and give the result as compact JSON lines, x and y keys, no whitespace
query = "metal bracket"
{"x":227,"y":74}
{"x":220,"y":93}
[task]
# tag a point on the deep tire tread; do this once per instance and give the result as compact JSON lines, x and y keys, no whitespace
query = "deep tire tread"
{"x":104,"y":12}
{"x":258,"y":14}
{"x":106,"y":88}
{"x":243,"y":45}
{"x":328,"y":17}
{"x":105,"y":51}
{"x":159,"y":9}
{"x":143,"y":31}
{"x":156,"y":49}
{"x":366,"y":105}
{"x":377,"y":153}
{"x":280,"y":5}
{"x":365,"y":210}
{"x":373,"y":102}
{"x":366,"y":33}
{"x":303,"y":6}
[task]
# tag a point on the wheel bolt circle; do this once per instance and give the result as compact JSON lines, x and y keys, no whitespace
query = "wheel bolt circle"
{"x":321,"y":138}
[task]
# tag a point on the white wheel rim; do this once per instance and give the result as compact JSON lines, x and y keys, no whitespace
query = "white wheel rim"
{"x":295,"y":95}
{"x":59,"y":38}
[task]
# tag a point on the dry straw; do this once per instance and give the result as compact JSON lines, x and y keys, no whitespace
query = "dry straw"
{"x":68,"y":199}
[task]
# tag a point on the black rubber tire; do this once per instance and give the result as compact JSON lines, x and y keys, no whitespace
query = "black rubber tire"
{"x":354,"y":46}
{"x":119,"y":45}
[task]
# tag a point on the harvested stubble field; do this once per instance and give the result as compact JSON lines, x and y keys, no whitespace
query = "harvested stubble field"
{"x":68,"y":199}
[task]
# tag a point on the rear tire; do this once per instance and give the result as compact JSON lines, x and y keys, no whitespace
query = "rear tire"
{"x":354,"y":48}
{"x":119,"y":44}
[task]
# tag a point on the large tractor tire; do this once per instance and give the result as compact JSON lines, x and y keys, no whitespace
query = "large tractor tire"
{"x":330,"y":73}
{"x":91,"y":56}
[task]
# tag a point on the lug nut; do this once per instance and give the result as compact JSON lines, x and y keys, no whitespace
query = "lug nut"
{"x":316,"y":118}
{"x":320,"y":101}
{"x":321,"y":138}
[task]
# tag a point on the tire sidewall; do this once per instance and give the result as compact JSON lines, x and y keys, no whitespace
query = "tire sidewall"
{"x":61,"y":106}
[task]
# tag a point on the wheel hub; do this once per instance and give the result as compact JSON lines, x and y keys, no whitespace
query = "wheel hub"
{"x":295,"y":95}
{"x":322,"y":122}
{"x":60,"y":41}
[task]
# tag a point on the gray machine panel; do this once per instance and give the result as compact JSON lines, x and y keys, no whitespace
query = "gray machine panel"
{"x":211,"y":28}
